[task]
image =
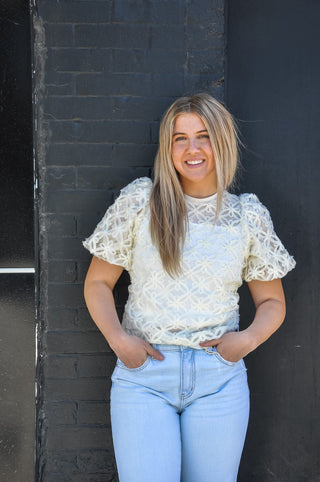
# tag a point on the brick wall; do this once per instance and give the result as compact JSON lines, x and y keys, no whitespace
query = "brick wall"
{"x":104,"y":72}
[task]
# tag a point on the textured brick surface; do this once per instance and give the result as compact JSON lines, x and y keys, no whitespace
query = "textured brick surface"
{"x":106,"y":71}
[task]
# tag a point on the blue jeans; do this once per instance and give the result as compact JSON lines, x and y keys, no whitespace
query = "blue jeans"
{"x":180,"y":419}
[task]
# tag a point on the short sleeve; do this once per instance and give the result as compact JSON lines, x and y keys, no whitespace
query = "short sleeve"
{"x":267,"y":258}
{"x":113,"y":238}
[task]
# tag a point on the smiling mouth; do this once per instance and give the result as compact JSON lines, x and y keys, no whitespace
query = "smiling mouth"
{"x":194,"y":162}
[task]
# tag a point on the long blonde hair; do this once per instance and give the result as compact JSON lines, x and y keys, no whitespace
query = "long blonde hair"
{"x":169,"y":220}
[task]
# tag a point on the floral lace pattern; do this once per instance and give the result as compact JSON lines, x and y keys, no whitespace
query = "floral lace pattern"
{"x":202,"y":303}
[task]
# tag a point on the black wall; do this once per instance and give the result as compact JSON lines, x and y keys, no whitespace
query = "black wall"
{"x":106,"y":71}
{"x":273,"y":78}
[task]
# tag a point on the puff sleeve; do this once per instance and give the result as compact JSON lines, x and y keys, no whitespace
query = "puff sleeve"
{"x":113,"y":238}
{"x":266,"y":257}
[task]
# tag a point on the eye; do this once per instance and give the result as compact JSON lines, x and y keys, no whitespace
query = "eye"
{"x":204,"y":136}
{"x":179,"y":138}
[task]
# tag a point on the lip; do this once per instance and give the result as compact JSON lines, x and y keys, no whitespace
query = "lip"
{"x":194,"y":166}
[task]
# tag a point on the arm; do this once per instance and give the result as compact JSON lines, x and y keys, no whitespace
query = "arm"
{"x":269,"y":301}
{"x":99,"y":283}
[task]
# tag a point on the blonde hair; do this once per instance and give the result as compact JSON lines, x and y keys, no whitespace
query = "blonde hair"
{"x":169,"y":220}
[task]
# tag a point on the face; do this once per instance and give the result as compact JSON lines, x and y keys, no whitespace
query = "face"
{"x":192,"y":156}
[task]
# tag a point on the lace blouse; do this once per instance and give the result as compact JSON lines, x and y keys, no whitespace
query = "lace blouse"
{"x":201,"y":303}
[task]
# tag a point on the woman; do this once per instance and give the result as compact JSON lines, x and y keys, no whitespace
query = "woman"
{"x":179,"y":398}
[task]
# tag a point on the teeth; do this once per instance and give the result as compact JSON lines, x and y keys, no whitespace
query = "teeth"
{"x":196,"y":161}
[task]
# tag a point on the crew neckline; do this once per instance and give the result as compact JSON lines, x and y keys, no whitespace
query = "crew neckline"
{"x":200,"y":199}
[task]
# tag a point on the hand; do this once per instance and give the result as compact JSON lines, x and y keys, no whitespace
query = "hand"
{"x":133,"y":351}
{"x":232,"y":346}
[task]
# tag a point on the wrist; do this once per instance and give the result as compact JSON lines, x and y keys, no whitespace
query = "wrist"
{"x":117,"y":339}
{"x":252,"y":340}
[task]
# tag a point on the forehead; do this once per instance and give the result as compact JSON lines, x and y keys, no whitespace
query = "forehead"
{"x":188,"y":122}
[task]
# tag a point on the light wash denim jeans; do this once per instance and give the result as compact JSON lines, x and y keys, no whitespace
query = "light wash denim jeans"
{"x":183,"y":419}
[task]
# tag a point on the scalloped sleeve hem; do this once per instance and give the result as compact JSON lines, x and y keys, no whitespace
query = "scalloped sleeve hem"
{"x":267,"y":259}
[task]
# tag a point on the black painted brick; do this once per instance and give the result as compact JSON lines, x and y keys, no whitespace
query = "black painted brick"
{"x":100,"y":131}
{"x":87,"y":224}
{"x":139,"y":108}
{"x":155,"y":60}
{"x":78,"y":60}
{"x":132,"y":11}
{"x":114,"y":84}
{"x":60,"y":177}
{"x":76,"y":342}
{"x":68,"y":319}
{"x":167,"y":36}
{"x":168,"y":12}
{"x":169,"y":85}
{"x":211,"y":12}
{"x":56,"y":366}
{"x":60,"y":224}
{"x":135,"y":154}
{"x":112,"y":35}
{"x":65,"y":295}
{"x":83,"y":438}
{"x":93,"y":413}
{"x":212,"y":83}
{"x":75,"y":201}
{"x":96,"y":365}
{"x":96,"y":461}
{"x":82,"y":269}
{"x":78,"y":108}
{"x":63,"y":154}
{"x":62,"y":271}
{"x":67,"y":11}
{"x":59,"y":35}
{"x":108,"y":178}
{"x":62,"y":461}
{"x":85,"y":320}
{"x":205,"y":60}
{"x":87,"y":477}
{"x":76,"y":390}
{"x":61,"y":413}
{"x":203,"y":36}
{"x":67,"y":249}
{"x":60,"y":83}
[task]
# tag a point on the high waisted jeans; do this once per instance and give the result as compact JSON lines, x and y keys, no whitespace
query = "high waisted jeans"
{"x":180,"y":419}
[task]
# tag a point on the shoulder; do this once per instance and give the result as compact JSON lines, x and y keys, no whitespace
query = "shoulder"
{"x":254,"y":213}
{"x":136,"y":194}
{"x":249,"y":199}
{"x":252,"y":207}
{"x":140,"y":186}
{"x":246,"y":202}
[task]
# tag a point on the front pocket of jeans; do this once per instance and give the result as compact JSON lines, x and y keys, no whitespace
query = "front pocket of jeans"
{"x":141,"y":367}
{"x":223,"y":360}
{"x":212,"y":350}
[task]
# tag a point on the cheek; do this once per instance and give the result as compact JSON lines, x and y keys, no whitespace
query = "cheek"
{"x":178,"y":149}
{"x":176,"y":155}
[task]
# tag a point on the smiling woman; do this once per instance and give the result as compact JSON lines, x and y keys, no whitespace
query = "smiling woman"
{"x":179,"y":397}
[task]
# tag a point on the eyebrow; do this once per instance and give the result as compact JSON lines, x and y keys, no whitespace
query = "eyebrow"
{"x":183,"y":133}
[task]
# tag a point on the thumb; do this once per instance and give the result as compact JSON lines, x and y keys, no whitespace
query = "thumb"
{"x":154,"y":353}
{"x":213,"y":342}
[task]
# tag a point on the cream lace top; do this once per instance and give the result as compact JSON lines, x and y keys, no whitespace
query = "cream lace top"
{"x":202,"y":303}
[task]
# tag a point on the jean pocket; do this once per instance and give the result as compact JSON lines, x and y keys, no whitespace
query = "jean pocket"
{"x":119,"y":364}
{"x":212,"y":350}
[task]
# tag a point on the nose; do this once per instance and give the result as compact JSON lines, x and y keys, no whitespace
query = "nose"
{"x":193,"y":145}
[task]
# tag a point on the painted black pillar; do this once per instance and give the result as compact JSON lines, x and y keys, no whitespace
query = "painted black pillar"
{"x":17,"y":317}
